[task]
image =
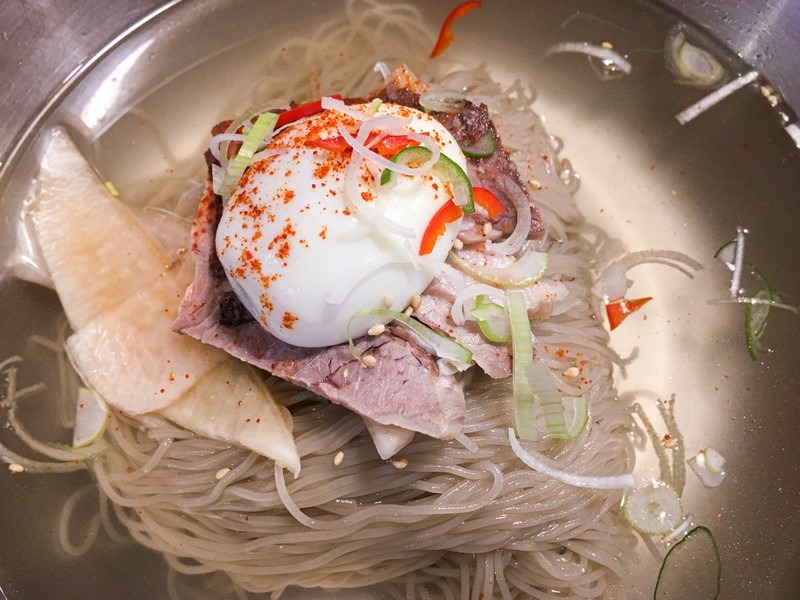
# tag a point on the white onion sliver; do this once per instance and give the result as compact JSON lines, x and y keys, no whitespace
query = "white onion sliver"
{"x":738,"y":260}
{"x":383,"y":69}
{"x":536,"y":462}
{"x":699,"y":107}
{"x":329,"y":103}
{"x":361,"y":149}
{"x":597,"y":51}
{"x":218,"y":139}
{"x":513,"y":243}
{"x":363,"y":209}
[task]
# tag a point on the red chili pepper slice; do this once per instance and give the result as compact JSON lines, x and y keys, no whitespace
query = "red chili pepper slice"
{"x":448,"y":213}
{"x":489,"y":201}
{"x":618,"y":311}
{"x":388,"y":146}
{"x":304,"y":110}
{"x":446,"y":33}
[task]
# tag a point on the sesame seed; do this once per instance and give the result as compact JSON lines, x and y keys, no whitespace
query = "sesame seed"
{"x":401,"y":463}
{"x":388,"y":300}
{"x":571,"y":372}
{"x":377,"y":329}
{"x":407,"y":312}
{"x":337,"y":460}
{"x":535,"y":184}
{"x":607,"y":45}
{"x":15,"y":468}
{"x":458,"y":244}
{"x":487,"y":228}
{"x":221,"y":473}
{"x":369,"y":361}
{"x":416,"y":300}
{"x":346,"y":373}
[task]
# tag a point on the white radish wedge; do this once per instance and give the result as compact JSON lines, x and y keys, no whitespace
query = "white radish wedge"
{"x":121,"y":297}
{"x":91,"y":418}
{"x":131,"y":356}
{"x":96,"y":252}
{"x":232,"y":403}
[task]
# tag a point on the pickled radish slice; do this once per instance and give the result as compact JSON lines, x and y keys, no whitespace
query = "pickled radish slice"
{"x":96,"y":252}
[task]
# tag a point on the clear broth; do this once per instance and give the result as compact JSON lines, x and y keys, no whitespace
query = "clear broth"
{"x":142,"y":115}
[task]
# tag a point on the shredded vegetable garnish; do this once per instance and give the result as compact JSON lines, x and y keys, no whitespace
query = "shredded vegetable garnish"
{"x":262,"y":128}
{"x":492,"y":319}
{"x":539,"y":462}
{"x":525,"y":271}
{"x":483,"y":147}
{"x":709,"y":465}
{"x":533,"y":385}
{"x":759,"y":304}
{"x":522,"y":354}
{"x":698,"y":108}
{"x":653,"y":509}
{"x":671,"y":556}
{"x":612,"y":284}
{"x":440,"y":345}
{"x":446,"y":33}
{"x":674,"y":476}
{"x":447,"y":213}
{"x":447,"y":102}
{"x":620,"y":310}
{"x":443,"y":165}
{"x":691,"y":64}
{"x":610,"y":59}
{"x":522,"y":208}
{"x":488,"y":201}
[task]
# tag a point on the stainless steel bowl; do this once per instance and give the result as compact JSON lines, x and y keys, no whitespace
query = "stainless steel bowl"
{"x":646,"y":179}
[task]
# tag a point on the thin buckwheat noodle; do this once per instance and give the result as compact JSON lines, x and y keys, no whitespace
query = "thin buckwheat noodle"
{"x":458,"y":519}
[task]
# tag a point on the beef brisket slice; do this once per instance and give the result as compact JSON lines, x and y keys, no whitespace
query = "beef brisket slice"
{"x":404,"y":388}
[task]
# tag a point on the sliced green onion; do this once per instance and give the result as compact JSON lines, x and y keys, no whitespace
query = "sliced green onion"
{"x":755,"y":320}
{"x":654,"y":509}
{"x":525,"y":271}
{"x":546,"y":393}
{"x":533,"y":383}
{"x":691,"y":64}
{"x":483,"y":147}
{"x":522,"y":349}
{"x":727,"y":253}
{"x":441,"y":345}
{"x":671,"y":557}
{"x":373,"y":107}
{"x":260,"y":129}
{"x":492,"y":319}
{"x":445,"y":167}
{"x":576,"y":417}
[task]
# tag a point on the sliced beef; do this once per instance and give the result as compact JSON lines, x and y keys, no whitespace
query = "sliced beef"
{"x":404,"y":388}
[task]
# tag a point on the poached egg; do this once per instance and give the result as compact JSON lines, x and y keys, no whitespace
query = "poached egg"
{"x":304,"y":255}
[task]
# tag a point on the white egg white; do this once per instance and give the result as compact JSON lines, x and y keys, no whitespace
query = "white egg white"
{"x":295,"y":250}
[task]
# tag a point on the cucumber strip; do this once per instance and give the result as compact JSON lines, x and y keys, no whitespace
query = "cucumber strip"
{"x":445,"y":167}
{"x":483,"y":147}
